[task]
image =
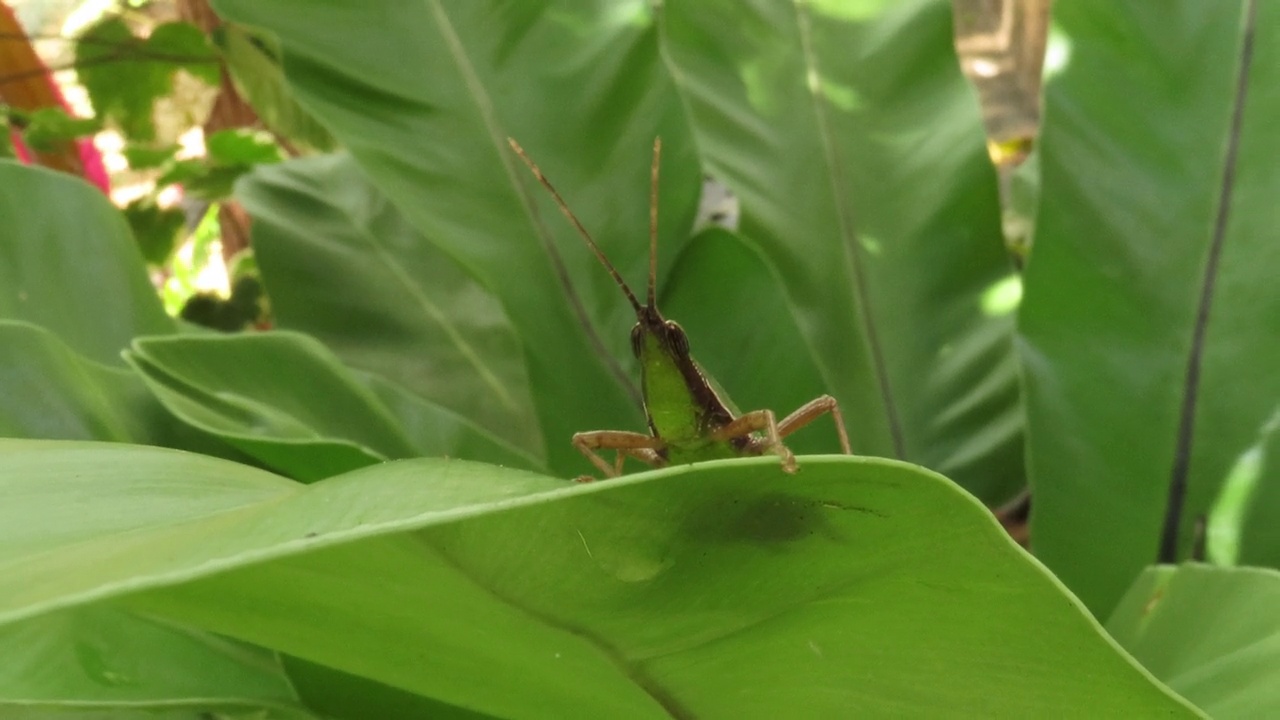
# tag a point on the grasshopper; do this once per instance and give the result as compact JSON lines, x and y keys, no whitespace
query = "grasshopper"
{"x":690,"y":419}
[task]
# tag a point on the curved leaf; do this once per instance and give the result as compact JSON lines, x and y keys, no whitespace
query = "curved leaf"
{"x":342,"y":263}
{"x":1212,"y":634}
{"x":105,"y":662}
{"x":724,"y":590}
{"x":856,"y":149}
{"x":1121,"y":271}
{"x":69,"y":263}
{"x":424,"y":94}
{"x":282,"y":398}
{"x":254,"y":64}
{"x":341,"y":696}
{"x":51,"y":392}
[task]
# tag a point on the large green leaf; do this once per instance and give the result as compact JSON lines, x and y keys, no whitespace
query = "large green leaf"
{"x":285,"y":400}
{"x":727,"y":590}
{"x":1137,"y":233}
{"x":856,"y":149}
{"x":103,"y":662}
{"x":424,"y":94}
{"x":1212,"y":634}
{"x":69,"y":263}
{"x":342,"y":263}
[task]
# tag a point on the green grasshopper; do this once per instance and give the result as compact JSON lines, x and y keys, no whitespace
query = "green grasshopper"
{"x":690,"y":419}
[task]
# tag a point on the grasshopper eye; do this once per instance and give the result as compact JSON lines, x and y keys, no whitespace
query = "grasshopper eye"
{"x":637,"y":340}
{"x":676,"y":339}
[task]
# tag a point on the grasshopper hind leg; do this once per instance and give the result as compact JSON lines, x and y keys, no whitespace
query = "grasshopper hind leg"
{"x":763,"y":421}
{"x":759,"y":421}
{"x":811,"y":411}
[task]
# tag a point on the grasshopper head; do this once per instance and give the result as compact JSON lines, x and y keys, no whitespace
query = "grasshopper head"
{"x":653,"y":332}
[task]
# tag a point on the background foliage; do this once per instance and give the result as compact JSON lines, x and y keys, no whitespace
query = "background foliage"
{"x":432,"y":308}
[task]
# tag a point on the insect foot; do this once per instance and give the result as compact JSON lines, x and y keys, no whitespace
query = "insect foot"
{"x":789,"y":465}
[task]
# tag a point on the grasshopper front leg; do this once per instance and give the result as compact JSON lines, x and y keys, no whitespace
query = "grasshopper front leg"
{"x":627,"y":444}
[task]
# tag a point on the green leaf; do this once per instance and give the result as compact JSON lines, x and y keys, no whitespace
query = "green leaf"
{"x":253,"y":59}
{"x":230,"y":155}
{"x":184,"y":46}
{"x":425,"y":97}
{"x":124,"y":75}
{"x":51,"y":392}
{"x":1240,"y":508}
{"x":48,"y":129}
{"x":214,"y":182}
{"x":107,"y":662}
{"x":148,"y":157}
{"x":69,"y":263}
{"x":181,"y":171}
{"x":121,"y":89}
{"x":342,"y":696}
{"x":1121,"y":271}
{"x":157,"y":230}
{"x":240,"y":146}
{"x":285,"y":400}
{"x":1258,"y":495}
{"x":722,"y":590}
{"x":343,"y":264}
{"x":7,"y":126}
{"x":856,"y":150}
{"x":1212,"y":634}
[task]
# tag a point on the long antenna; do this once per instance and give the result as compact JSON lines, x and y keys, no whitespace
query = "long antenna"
{"x":653,"y":221}
{"x":564,"y":208}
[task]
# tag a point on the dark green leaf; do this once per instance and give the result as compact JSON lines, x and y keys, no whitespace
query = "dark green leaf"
{"x":342,"y":696}
{"x":1119,"y":274}
{"x":856,"y":150}
{"x":253,"y":59}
